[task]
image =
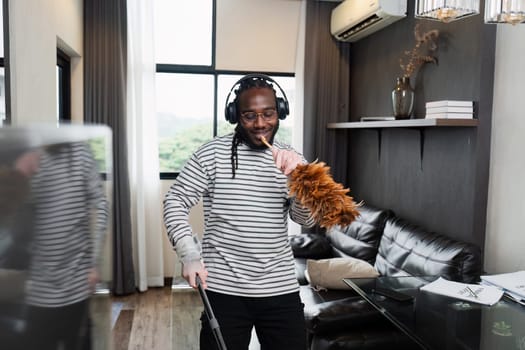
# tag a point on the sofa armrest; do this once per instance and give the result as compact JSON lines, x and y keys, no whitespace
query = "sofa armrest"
{"x":347,"y":313}
{"x":311,"y":246}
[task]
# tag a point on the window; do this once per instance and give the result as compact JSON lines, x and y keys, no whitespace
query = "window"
{"x":191,"y":92}
{"x":63,"y":77}
{"x":185,"y":116}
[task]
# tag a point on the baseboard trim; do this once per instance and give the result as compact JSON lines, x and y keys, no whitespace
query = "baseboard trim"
{"x":155,"y":282}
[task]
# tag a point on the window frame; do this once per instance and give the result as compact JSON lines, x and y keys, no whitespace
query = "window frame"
{"x":4,"y":62}
{"x":164,"y":68}
{"x":209,"y":70}
{"x":64,"y":89}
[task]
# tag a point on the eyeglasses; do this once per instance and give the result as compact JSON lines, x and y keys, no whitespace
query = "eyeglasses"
{"x":267,"y":115}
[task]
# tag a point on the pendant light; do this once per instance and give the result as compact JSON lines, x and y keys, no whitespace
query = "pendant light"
{"x":446,"y":10}
{"x":505,"y":11}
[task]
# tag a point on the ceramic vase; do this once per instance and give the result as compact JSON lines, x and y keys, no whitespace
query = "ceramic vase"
{"x":403,"y":98}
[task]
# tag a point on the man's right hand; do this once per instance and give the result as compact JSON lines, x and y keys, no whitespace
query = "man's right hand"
{"x":286,"y":160}
{"x":192,"y":268}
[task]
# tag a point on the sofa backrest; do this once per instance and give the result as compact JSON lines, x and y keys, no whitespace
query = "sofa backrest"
{"x":361,"y":238}
{"x":406,"y":249}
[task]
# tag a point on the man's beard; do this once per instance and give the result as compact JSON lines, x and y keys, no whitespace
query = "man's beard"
{"x":243,"y":135}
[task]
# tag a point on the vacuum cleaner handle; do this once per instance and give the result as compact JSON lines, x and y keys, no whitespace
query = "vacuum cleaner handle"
{"x":209,"y":314}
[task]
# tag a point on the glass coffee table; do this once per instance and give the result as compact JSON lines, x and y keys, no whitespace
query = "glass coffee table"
{"x":439,"y":322}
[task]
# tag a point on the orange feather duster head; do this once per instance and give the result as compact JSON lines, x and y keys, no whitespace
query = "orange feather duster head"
{"x":313,"y":186}
{"x":329,"y":202}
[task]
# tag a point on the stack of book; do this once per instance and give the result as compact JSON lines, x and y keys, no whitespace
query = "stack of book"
{"x":449,"y":109}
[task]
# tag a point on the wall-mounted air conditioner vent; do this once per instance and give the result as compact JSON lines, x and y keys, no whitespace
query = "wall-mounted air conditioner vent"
{"x":355,"y":19}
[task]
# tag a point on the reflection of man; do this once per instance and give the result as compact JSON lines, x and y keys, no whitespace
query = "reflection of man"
{"x":15,"y":234}
{"x":14,"y":191}
{"x":65,"y":190}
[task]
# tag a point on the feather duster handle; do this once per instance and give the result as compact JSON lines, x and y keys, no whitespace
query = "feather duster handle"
{"x":315,"y":189}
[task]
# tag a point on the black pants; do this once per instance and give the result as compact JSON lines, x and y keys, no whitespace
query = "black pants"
{"x":278,"y":321}
{"x":66,"y":326}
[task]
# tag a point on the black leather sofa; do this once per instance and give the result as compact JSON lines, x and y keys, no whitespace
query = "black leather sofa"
{"x":340,"y":319}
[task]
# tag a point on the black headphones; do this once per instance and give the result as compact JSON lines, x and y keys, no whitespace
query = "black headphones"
{"x":281,"y":103}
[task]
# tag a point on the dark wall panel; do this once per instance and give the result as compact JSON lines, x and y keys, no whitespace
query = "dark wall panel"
{"x":435,"y":177}
{"x":375,"y":65}
{"x":424,"y":175}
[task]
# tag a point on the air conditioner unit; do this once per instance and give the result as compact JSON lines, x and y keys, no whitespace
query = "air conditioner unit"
{"x":355,"y":19}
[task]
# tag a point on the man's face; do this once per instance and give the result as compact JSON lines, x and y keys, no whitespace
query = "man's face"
{"x":258,"y":115}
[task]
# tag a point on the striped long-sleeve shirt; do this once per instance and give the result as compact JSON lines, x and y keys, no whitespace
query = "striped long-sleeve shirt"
{"x":66,"y":191}
{"x":245,"y":244}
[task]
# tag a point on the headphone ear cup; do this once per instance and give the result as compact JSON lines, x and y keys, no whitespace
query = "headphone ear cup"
{"x":282,"y":107}
{"x":231,"y":113}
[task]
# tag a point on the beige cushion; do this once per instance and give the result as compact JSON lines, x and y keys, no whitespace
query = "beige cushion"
{"x":329,"y":273}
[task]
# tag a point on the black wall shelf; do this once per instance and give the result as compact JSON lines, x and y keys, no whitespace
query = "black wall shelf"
{"x":417,"y":124}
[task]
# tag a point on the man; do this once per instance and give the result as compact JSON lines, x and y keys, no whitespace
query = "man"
{"x":247,"y":264}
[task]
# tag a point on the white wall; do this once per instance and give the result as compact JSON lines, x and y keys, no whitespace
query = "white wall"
{"x":258,"y":35}
{"x":505,"y":236}
{"x":36,"y":27}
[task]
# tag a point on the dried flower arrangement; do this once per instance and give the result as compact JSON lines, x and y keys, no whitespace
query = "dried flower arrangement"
{"x":415,"y":57}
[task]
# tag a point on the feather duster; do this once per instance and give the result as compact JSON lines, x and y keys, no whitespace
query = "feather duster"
{"x":329,"y":202}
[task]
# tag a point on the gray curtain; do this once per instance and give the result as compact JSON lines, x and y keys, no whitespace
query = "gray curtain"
{"x":326,"y":91}
{"x":105,"y":45}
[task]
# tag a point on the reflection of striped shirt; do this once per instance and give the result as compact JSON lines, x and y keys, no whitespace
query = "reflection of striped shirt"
{"x":245,"y":243}
{"x":65,"y":190}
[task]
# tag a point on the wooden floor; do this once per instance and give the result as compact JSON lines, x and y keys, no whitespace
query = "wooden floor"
{"x":157,"y":319}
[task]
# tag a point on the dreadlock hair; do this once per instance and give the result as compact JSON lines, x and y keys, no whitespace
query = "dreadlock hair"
{"x":244,"y":85}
